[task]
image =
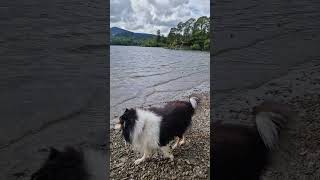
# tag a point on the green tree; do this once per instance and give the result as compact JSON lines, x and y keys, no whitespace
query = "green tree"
{"x":192,"y":34}
{"x":158,"y":35}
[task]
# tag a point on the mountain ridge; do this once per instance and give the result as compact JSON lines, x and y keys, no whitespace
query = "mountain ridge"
{"x":119,"y":32}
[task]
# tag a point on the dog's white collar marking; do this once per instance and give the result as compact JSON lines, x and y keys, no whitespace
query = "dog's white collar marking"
{"x":145,"y":134}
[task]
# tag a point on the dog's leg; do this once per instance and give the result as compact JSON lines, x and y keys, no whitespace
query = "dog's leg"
{"x":176,"y":144}
{"x":144,"y":157}
{"x":138,"y":161}
{"x":183,"y":141}
{"x":167,"y":152}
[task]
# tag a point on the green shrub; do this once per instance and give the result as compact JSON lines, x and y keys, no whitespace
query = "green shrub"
{"x":206,"y":45}
{"x":195,"y":47}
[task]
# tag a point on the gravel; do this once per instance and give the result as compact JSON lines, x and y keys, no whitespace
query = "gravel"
{"x":191,"y":160}
{"x":298,"y":156}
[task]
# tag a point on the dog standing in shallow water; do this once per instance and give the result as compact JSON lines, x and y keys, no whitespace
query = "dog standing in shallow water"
{"x":154,"y":128}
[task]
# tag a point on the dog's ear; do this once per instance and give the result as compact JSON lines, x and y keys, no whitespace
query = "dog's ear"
{"x":53,"y":153}
{"x":132,"y":115}
{"x":126,"y":110}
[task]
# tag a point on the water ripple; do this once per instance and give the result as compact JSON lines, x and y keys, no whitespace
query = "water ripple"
{"x":141,"y":75}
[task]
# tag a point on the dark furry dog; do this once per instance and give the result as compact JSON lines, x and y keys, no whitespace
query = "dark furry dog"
{"x":153,"y":128}
{"x":72,"y":164}
{"x":240,"y":152}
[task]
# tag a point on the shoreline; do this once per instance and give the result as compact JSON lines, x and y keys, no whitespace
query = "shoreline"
{"x":162,"y":79}
{"x":203,"y":88}
{"x":178,"y":49}
{"x":189,"y":162}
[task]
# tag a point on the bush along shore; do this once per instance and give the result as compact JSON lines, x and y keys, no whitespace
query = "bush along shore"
{"x":191,"y":160}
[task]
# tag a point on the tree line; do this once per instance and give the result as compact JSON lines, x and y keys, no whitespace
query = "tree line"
{"x":192,"y":34}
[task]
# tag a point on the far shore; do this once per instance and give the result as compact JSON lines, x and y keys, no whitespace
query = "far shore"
{"x":177,"y":48}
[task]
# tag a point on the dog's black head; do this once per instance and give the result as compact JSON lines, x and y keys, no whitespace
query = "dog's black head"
{"x":68,"y":164}
{"x":127,"y":122}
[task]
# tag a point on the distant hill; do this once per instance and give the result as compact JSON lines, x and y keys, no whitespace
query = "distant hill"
{"x":118,"y":31}
{"x":124,"y":37}
{"x":122,"y":33}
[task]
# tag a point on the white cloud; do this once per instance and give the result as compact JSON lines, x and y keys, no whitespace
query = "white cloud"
{"x":150,"y":15}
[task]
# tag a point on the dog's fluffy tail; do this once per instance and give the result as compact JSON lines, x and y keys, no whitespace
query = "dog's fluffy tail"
{"x":194,"y":101}
{"x":270,"y":118}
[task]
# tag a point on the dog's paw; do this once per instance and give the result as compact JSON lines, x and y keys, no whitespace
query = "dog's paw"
{"x":182,"y":142}
{"x":175,"y":146}
{"x":138,"y":161}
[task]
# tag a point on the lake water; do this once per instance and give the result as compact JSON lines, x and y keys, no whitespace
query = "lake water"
{"x":142,"y":76}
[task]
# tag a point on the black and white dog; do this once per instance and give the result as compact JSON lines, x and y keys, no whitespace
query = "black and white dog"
{"x":154,"y":128}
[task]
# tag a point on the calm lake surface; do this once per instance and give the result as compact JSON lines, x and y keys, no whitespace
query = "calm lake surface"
{"x":142,"y":76}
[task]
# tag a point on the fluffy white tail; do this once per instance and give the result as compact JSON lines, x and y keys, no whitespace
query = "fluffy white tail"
{"x":269,"y":125}
{"x":194,"y":102}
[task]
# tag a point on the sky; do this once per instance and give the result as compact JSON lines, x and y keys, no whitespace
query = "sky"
{"x":148,"y":16}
